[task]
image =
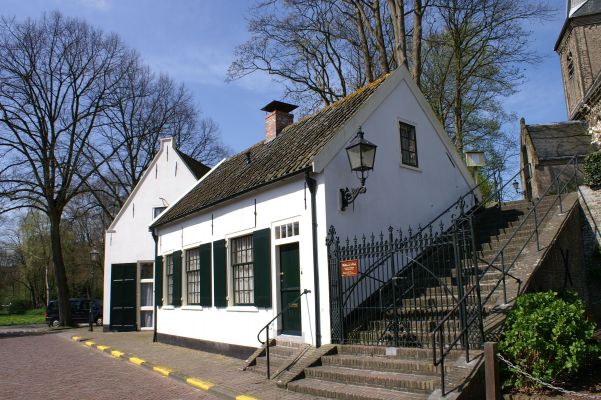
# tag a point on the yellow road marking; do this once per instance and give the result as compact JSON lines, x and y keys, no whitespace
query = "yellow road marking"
{"x":245,"y":397}
{"x":102,"y":347}
{"x":136,"y":360}
{"x":89,"y":343}
{"x":163,"y":370}
{"x":116,"y":353}
{"x":204,"y":385}
{"x":76,"y":338}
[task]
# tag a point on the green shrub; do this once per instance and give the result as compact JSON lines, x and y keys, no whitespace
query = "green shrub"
{"x":18,"y":307}
{"x":592,"y":169}
{"x":547,"y":335}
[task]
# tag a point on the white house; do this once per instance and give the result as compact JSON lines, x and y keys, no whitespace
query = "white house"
{"x":129,"y":247}
{"x":250,"y":237}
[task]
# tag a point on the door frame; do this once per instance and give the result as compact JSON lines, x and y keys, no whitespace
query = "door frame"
{"x":280,"y":305}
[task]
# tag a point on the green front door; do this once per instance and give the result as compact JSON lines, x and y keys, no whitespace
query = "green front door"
{"x":123,"y":297}
{"x":290,"y":289}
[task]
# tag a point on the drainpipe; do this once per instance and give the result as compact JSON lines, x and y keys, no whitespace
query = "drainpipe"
{"x":312,"y":185}
{"x":154,"y":295}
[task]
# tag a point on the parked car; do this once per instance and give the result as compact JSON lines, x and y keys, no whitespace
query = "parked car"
{"x":80,"y":312}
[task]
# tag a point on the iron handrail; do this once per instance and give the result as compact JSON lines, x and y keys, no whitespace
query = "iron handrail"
{"x":265,"y":328}
{"x":459,"y":204}
{"x":445,"y":349}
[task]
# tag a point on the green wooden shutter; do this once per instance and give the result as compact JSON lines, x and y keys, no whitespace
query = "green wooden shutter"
{"x":177,"y":279}
{"x":205,"y":275}
{"x":262,"y":267}
{"x":158,"y":280}
{"x":220,"y":273}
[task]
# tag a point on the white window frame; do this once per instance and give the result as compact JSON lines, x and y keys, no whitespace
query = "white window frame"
{"x":139,"y":293}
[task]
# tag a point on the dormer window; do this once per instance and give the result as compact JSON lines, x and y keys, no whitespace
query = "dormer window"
{"x":570,"y":64}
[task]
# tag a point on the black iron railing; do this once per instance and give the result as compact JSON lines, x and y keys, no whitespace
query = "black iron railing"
{"x":564,"y":181}
{"x":266,"y":329}
{"x":423,"y":288}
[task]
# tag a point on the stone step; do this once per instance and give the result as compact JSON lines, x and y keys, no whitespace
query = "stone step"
{"x":282,"y":351}
{"x":408,"y":339}
{"x":275,"y":362}
{"x":345,"y":391}
{"x":387,"y":380}
{"x":398,"y":352}
{"x":379,"y":363}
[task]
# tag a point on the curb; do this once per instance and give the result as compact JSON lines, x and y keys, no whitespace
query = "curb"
{"x":22,"y":333}
{"x":165,"y":371}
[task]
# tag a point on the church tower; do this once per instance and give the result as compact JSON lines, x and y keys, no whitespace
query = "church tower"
{"x":579,"y":49}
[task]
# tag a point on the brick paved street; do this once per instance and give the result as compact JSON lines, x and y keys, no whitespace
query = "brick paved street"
{"x":220,"y":370}
{"x":51,"y":367}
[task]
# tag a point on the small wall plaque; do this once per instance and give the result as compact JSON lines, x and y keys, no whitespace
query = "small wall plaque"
{"x":349,"y":268}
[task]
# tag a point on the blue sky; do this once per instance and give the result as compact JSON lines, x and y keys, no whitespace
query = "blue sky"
{"x":194,"y":40}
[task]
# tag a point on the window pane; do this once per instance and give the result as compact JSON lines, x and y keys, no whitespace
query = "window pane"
{"x":146,"y":294}
{"x":169,"y":262}
{"x":408,"y":144}
{"x":146,"y":319}
{"x":146,"y":271}
{"x":242,"y":269}
{"x":295,"y":228}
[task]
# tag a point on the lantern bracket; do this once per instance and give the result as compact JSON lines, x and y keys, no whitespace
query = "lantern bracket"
{"x":348,"y":196}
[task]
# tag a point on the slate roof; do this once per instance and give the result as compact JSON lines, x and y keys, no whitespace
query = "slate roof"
{"x":197,"y":168}
{"x":290,"y":153}
{"x":589,"y":8}
{"x":560,"y":140}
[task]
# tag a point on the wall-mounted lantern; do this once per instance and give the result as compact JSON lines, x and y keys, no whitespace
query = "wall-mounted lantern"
{"x":361,"y":156}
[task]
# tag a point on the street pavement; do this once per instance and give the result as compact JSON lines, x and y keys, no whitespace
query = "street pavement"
{"x":223,"y":374}
{"x":51,"y":366}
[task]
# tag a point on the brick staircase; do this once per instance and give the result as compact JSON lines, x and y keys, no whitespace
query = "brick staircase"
{"x":359,"y":372}
{"x":366,"y":372}
{"x":282,"y":354}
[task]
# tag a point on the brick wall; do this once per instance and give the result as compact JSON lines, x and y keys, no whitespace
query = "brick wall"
{"x":562,"y":268}
{"x":590,"y":203}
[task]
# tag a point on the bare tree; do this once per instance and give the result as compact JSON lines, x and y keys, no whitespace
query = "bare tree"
{"x":56,"y":77}
{"x":145,"y":109}
{"x":475,"y":57}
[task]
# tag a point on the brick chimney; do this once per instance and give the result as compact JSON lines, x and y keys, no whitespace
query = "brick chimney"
{"x":278,"y":117}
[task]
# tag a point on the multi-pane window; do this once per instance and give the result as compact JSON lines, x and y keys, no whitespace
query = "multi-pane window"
{"x":408,"y":144}
{"x":242,"y":269}
{"x":286,"y":230}
{"x":146,"y":294}
{"x":169,"y":269}
{"x":193,"y":276}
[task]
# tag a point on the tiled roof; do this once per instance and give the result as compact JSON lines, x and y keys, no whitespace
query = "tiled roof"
{"x":588,"y":8}
{"x":291,"y":152}
{"x":560,"y":140}
{"x":197,"y":168}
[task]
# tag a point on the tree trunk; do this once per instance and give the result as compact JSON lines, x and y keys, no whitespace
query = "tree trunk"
{"x":416,"y":56}
{"x":60,"y":277}
{"x":369,"y":70}
{"x":397,"y":13}
{"x":380,"y":43}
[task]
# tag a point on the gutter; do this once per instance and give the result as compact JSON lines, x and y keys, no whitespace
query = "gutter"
{"x":312,"y":184}
{"x":154,"y":294}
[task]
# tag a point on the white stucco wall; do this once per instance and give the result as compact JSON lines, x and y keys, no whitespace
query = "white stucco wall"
{"x":284,"y":202}
{"x":396,"y":195}
{"x":128,"y":239}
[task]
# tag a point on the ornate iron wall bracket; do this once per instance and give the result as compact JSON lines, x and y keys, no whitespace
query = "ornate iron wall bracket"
{"x":348,"y":196}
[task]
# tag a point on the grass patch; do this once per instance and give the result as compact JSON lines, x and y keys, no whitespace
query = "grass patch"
{"x":35,"y":316}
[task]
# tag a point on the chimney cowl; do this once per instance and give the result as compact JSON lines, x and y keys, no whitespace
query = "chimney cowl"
{"x":277,"y":119}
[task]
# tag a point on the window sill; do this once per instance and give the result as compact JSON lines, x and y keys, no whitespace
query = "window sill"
{"x":193,"y":308}
{"x":242,"y":309}
{"x":409,"y":167}
{"x":167,"y":308}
